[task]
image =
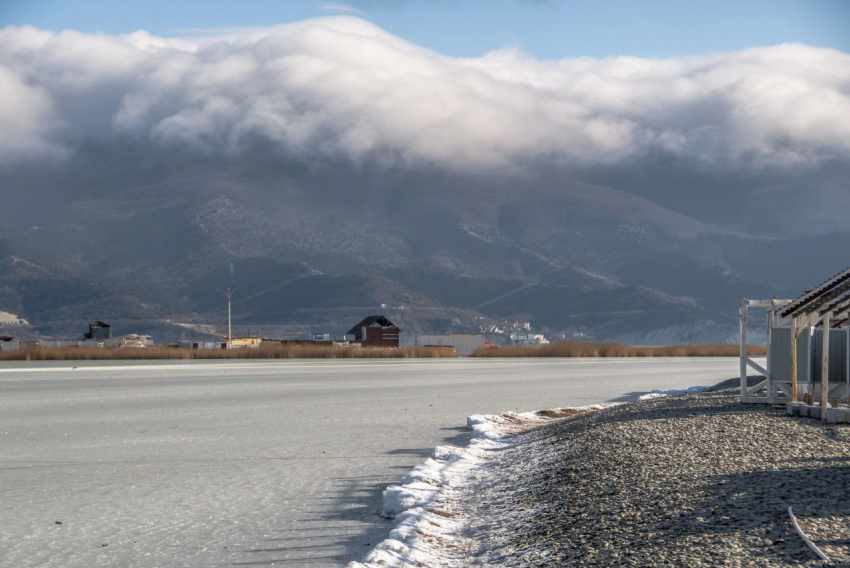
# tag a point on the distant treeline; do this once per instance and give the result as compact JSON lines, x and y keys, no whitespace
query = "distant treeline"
{"x":585,"y":349}
{"x":262,"y":352}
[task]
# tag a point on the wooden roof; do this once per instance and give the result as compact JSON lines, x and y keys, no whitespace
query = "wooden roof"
{"x":830,"y":296}
{"x":369,"y":322}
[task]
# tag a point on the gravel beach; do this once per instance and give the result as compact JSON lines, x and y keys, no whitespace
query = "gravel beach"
{"x":692,"y":480}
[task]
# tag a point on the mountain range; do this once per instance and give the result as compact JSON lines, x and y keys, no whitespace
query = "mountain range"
{"x":313,"y":250}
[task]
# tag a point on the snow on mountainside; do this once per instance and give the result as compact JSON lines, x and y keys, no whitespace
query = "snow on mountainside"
{"x":319,"y":252}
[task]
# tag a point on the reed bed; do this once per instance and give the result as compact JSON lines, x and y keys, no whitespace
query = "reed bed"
{"x":269,"y":352}
{"x":586,"y":349}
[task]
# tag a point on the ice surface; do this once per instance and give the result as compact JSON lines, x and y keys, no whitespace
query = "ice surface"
{"x":219,"y":463}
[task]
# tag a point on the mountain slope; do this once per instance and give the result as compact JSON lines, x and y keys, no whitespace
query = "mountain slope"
{"x":321,"y":252}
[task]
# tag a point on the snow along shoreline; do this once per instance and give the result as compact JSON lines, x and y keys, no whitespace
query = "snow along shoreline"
{"x":428,"y":528}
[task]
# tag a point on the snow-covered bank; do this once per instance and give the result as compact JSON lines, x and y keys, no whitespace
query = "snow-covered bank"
{"x":671,"y":392}
{"x":668,"y":480}
{"x":425,"y":503}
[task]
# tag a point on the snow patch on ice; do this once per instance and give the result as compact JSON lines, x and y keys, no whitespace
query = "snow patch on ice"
{"x":672,"y":392}
{"x":428,"y":529}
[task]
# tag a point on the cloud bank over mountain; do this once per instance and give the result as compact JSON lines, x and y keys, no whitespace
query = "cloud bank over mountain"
{"x":340,"y":88}
{"x":327,"y":167}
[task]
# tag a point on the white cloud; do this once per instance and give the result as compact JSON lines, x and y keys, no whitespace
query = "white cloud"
{"x":343,"y":8}
{"x":340,"y":87}
{"x":25,"y":112}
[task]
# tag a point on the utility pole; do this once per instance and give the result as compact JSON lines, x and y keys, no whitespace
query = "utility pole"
{"x":229,"y":294}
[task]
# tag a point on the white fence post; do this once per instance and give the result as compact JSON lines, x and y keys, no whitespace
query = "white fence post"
{"x":794,"y":335}
{"x":768,"y":338}
{"x":742,"y":327}
{"x":824,"y":377}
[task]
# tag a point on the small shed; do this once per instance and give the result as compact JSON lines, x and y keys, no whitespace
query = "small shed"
{"x":375,"y":331}
{"x":98,"y":330}
{"x":808,"y":346}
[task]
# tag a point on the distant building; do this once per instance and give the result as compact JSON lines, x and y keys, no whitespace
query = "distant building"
{"x":130,"y":341}
{"x":98,"y":330}
{"x":8,"y":343}
{"x":375,"y":331}
{"x":464,"y":343}
{"x":245,"y":342}
{"x":528,"y":339}
{"x":203,"y":344}
{"x":56,"y":343}
{"x":11,"y":320}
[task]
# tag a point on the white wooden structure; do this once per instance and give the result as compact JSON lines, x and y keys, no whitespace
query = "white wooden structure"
{"x":808,"y":346}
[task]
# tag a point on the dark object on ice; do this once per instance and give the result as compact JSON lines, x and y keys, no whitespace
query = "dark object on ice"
{"x":58,"y":522}
{"x":375,"y":331}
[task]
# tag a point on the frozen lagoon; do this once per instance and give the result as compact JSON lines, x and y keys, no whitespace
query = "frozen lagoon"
{"x":205,"y":463}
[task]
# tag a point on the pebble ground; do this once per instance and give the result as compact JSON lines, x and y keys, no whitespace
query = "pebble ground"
{"x":691,"y":480}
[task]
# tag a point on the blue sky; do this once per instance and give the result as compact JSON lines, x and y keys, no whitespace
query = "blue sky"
{"x":547,"y":29}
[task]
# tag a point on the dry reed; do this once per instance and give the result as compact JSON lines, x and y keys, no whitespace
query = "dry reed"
{"x":585,"y":349}
{"x":263,"y":352}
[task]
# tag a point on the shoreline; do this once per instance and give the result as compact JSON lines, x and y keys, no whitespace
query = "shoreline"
{"x":260,"y":353}
{"x":560,"y":349}
{"x":694,"y":479}
{"x":585,"y":349}
{"x":429,"y":527}
{"x":97,"y":364}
